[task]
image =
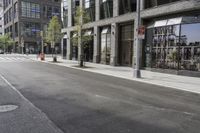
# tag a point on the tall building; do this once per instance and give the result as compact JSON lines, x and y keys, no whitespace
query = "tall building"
{"x":24,"y":19}
{"x":1,"y":18}
{"x":172,"y":39}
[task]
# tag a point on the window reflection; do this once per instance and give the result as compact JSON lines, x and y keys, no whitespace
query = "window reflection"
{"x":105,"y":45}
{"x":165,"y":47}
{"x":30,"y":10}
{"x":75,"y":4}
{"x":127,"y":6}
{"x":190,"y":47}
{"x":106,"y":8}
{"x":31,"y":29}
{"x":65,"y":13}
{"x":174,"y":47}
{"x":90,"y":8}
{"x":154,"y":3}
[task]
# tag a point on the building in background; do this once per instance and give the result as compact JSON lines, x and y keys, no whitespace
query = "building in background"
{"x":24,"y":19}
{"x":172,"y":40}
{"x":1,"y":19}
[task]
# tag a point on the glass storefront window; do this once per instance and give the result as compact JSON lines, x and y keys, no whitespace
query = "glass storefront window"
{"x":88,"y":45}
{"x":165,"y":47}
{"x":105,"y":45}
{"x":174,"y":46}
{"x":190,"y":47}
{"x":74,"y":46}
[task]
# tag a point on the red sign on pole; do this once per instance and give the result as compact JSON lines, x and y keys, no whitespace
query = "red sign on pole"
{"x":141,"y":32}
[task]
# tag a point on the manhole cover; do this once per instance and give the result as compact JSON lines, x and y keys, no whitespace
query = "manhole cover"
{"x":7,"y":108}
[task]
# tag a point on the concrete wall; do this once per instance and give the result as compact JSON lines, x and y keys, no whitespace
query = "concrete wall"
{"x":1,"y":16}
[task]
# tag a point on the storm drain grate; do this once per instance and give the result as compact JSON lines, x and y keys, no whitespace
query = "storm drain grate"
{"x":7,"y":108}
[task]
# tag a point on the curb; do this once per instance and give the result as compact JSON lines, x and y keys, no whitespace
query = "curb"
{"x":122,"y":77}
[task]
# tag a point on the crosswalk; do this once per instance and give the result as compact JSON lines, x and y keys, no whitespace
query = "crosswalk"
{"x":4,"y":58}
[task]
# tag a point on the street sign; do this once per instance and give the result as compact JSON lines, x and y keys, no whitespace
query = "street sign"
{"x":141,"y":32}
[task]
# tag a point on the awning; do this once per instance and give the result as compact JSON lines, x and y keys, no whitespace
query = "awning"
{"x":174,"y":21}
{"x":74,"y":35}
{"x":88,"y":33}
{"x":167,"y":22}
{"x":160,"y":23}
{"x":105,"y":30}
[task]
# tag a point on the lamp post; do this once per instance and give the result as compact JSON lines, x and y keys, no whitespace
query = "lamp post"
{"x":136,"y":72}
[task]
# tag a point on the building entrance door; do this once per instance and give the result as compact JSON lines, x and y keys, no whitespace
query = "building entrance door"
{"x":64,"y":48}
{"x":126,"y":44}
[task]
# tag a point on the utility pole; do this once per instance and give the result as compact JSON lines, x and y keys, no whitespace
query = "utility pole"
{"x":136,"y":72}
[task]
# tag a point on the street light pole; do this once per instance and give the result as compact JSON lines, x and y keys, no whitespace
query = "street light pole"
{"x":137,"y":73}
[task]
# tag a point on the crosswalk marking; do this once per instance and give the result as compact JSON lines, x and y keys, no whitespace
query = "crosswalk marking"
{"x":14,"y":59}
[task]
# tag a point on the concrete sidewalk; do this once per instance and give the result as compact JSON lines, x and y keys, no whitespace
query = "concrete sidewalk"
{"x":191,"y":84}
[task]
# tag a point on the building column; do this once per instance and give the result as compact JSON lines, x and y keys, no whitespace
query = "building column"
{"x":115,"y":8}
{"x":69,"y":47}
{"x":70,"y":13}
{"x":114,"y":44}
{"x":96,"y":42}
{"x":97,"y":10}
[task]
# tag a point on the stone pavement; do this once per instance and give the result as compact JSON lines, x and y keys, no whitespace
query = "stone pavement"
{"x":191,"y":84}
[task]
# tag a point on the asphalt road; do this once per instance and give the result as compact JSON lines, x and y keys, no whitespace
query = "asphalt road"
{"x":83,"y":102}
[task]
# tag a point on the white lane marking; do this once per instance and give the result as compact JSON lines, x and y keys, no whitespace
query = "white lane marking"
{"x":15,"y":59}
{"x":43,"y":114}
{"x":7,"y":108}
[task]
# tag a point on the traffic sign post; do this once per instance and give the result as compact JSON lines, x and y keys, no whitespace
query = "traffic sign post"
{"x":141,"y":32}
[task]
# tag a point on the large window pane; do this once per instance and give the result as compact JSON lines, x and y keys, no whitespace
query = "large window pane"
{"x":30,"y":10}
{"x":126,"y":6}
{"x":106,"y":9}
{"x":190,"y":47}
{"x":165,"y":47}
{"x":89,"y":6}
{"x":153,"y":3}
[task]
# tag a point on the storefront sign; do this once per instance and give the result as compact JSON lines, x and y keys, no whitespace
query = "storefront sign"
{"x":141,"y":32}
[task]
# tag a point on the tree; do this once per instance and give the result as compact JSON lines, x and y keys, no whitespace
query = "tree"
{"x":54,"y":34}
{"x":81,"y":18}
{"x":5,"y":42}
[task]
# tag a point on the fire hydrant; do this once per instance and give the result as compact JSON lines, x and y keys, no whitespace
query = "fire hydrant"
{"x":42,"y":56}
